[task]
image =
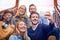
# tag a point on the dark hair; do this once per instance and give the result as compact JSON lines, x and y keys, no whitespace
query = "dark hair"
{"x":34,"y":13}
{"x":31,"y":5}
{"x":7,"y":11}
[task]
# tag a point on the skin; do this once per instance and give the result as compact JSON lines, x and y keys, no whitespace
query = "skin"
{"x":34,"y":19}
{"x":22,"y":26}
{"x":32,"y":9}
{"x":7,"y":16}
{"x":22,"y":9}
{"x":48,"y":16}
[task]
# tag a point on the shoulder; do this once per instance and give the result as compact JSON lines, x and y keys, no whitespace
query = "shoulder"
{"x":43,"y":25}
{"x":12,"y":37}
{"x":29,"y":38}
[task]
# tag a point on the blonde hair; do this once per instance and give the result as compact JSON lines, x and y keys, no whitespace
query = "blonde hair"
{"x":17,"y":14}
{"x":51,"y":37}
{"x":25,"y":36}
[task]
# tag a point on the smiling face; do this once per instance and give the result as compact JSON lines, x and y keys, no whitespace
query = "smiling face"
{"x":22,"y":26}
{"x":7,"y":16}
{"x":34,"y":19}
{"x":22,"y":9}
{"x":32,"y":9}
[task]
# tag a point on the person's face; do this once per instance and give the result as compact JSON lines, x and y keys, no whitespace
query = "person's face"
{"x":22,"y":26}
{"x":34,"y":19}
{"x":32,"y":9}
{"x":7,"y":16}
{"x":47,"y":15}
{"x":22,"y":10}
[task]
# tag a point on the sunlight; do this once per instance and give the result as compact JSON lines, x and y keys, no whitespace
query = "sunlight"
{"x":42,"y":5}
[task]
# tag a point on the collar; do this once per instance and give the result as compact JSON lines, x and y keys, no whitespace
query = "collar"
{"x":35,"y":27}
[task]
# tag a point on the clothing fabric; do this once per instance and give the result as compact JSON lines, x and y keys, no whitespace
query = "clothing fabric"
{"x":17,"y":18}
{"x":41,"y":32}
{"x":16,"y":37}
{"x":5,"y":32}
{"x":44,"y":20}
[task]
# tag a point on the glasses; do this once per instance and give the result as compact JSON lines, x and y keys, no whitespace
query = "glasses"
{"x":22,"y":8}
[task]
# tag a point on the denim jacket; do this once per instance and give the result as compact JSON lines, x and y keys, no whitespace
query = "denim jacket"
{"x":15,"y":37}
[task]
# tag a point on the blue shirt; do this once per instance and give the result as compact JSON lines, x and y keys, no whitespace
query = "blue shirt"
{"x":42,"y":32}
{"x":15,"y":37}
{"x":44,"y":20}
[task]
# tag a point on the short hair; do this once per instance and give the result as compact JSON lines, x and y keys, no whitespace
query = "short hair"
{"x":34,"y":13}
{"x":7,"y":11}
{"x":31,"y":5}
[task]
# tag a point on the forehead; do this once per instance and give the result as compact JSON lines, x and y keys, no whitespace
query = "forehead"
{"x":21,"y":22}
{"x":32,"y":7}
{"x":22,"y":7}
{"x":8,"y":14}
{"x":34,"y":15}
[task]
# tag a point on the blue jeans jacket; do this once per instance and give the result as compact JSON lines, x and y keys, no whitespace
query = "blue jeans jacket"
{"x":15,"y":37}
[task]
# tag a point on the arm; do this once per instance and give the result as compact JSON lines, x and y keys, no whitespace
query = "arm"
{"x":54,"y":32}
{"x":12,"y":37}
{"x":5,"y":32}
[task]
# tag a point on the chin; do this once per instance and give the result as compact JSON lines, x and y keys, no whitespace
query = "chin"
{"x":34,"y":23}
{"x":23,"y":30}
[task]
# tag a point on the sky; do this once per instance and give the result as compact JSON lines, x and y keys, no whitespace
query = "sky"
{"x":42,"y":5}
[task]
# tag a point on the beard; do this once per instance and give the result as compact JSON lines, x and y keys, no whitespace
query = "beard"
{"x":34,"y":23}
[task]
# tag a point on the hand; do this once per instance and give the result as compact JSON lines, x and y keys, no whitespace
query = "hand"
{"x":12,"y":26}
{"x":50,"y":19}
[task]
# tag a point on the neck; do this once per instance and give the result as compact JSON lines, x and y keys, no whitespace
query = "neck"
{"x":33,"y":26}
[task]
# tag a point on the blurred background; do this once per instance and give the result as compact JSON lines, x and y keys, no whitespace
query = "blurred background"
{"x":42,"y":5}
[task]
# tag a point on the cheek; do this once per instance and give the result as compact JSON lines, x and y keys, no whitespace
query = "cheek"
{"x":32,"y":18}
{"x":20,"y":10}
{"x":37,"y":18}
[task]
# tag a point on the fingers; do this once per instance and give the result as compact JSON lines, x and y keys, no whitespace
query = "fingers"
{"x":50,"y":19}
{"x":12,"y":26}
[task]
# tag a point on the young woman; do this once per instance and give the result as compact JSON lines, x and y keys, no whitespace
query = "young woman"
{"x":20,"y":32}
{"x":21,"y":15}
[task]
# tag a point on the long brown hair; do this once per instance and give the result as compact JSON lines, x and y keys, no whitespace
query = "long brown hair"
{"x":16,"y":32}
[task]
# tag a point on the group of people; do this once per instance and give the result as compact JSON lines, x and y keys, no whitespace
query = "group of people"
{"x":22,"y":27}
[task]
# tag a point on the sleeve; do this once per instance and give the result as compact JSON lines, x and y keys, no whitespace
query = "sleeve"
{"x":12,"y":37}
{"x":5,"y":32}
{"x":51,"y":26}
{"x":54,"y":32}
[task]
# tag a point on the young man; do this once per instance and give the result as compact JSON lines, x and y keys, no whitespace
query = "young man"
{"x":42,"y":19}
{"x":32,"y":8}
{"x":7,"y":18}
{"x":39,"y":31}
{"x":6,"y":28}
